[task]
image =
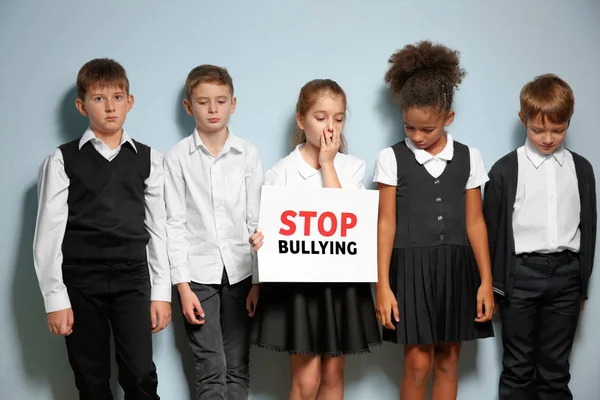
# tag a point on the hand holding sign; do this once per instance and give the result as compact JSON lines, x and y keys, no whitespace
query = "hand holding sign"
{"x":256,"y":240}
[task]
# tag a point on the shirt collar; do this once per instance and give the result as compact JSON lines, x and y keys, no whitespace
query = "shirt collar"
{"x":538,"y":158}
{"x":422,"y":156}
{"x":306,"y":171}
{"x":232,"y":142}
{"x":89,"y":135}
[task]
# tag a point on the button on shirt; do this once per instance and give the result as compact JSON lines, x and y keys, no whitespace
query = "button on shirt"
{"x":53,"y":212}
{"x":386,"y":170}
{"x":212,"y":209}
{"x":547,"y":206}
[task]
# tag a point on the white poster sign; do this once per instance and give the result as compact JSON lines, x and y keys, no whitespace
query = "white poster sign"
{"x":318,"y":235}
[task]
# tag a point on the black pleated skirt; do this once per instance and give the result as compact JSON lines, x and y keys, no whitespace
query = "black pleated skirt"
{"x":436,"y":289}
{"x":315,"y":319}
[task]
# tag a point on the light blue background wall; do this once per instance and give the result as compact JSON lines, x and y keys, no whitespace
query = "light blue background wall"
{"x":271,"y":49}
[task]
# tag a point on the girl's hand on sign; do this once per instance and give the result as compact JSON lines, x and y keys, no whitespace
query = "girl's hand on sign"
{"x":256,"y":240}
{"x":330,"y":144}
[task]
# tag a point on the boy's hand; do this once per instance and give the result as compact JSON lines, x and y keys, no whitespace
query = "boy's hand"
{"x":256,"y":240}
{"x":190,"y":305}
{"x":160,"y":312}
{"x":61,"y":322}
{"x":582,"y":304}
{"x":252,"y":300}
{"x":387,"y":306}
{"x":485,"y":303}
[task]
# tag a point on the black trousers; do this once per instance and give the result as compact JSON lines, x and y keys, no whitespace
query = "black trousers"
{"x":221,"y":345}
{"x":105,"y":296}
{"x":538,"y":327}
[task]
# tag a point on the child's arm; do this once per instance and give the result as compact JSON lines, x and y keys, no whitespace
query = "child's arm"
{"x":254,"y":180}
{"x":478,"y":238}
{"x":53,"y":211}
{"x":158,"y":261}
{"x":492,"y":210}
{"x":175,"y":197}
{"x":386,"y":231}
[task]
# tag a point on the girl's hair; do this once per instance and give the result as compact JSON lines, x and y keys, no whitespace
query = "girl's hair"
{"x":425,"y":75}
{"x":307,"y":99}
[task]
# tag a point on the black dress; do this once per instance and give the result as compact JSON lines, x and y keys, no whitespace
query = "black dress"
{"x":331,"y":319}
{"x":433,"y":272}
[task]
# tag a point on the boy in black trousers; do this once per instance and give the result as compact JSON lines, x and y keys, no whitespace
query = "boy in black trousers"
{"x":99,"y":247}
{"x":540,"y":210}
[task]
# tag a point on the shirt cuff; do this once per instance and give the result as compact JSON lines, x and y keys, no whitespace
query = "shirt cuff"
{"x":160,"y":293}
{"x":180,"y":274}
{"x":57,"y":301}
{"x":478,"y":182}
{"x":385,"y":181}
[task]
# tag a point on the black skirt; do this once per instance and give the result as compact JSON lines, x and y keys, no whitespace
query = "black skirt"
{"x":315,"y":318}
{"x":436,"y":289}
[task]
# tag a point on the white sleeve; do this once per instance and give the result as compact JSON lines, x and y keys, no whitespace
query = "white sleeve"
{"x":478,"y":175}
{"x":357,"y":178}
{"x":53,"y":212}
{"x":155,"y":221}
{"x":386,"y":168}
{"x":272,"y":178}
{"x":175,"y":198}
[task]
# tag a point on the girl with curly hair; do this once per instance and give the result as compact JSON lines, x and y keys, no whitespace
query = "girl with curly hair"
{"x":435,"y":284}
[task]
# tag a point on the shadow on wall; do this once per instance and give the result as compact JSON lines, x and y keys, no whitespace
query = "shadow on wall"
{"x":72,"y":123}
{"x":185,"y":122}
{"x":182,"y":345}
{"x":43,"y":355}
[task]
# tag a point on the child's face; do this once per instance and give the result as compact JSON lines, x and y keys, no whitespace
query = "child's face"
{"x":106,"y":107}
{"x":326,"y":115}
{"x":546,"y":137}
{"x":211,"y":105}
{"x":425,"y":126}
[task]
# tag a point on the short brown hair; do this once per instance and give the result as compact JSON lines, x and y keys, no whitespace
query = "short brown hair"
{"x":207,"y":74}
{"x":549,"y":97}
{"x":308,"y":97}
{"x":103,"y":72}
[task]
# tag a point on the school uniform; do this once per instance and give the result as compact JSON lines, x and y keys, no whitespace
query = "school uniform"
{"x":212,"y":210}
{"x":99,"y":248}
{"x":433,"y":272}
{"x":541,"y":214}
{"x":326,"y":319}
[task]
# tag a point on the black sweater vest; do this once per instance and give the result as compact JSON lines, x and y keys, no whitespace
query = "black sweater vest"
{"x":106,"y":203}
{"x":431,"y":211}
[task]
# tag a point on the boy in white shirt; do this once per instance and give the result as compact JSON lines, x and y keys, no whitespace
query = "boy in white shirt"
{"x":212,"y":193}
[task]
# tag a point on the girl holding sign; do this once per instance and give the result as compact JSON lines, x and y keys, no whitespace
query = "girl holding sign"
{"x":435,"y":285}
{"x":316,"y":323}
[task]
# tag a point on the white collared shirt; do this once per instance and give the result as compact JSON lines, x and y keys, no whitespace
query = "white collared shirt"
{"x":53,"y":212}
{"x":386,"y":169}
{"x":547,"y":206}
{"x":212,"y":209}
{"x":294,"y":171}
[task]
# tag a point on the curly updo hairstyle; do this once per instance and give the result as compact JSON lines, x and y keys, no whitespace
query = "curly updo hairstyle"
{"x":425,"y":75}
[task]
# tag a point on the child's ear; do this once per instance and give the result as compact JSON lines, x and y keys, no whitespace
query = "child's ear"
{"x":81,"y":107}
{"x":233,"y":104}
{"x":300,"y":121}
{"x":449,"y":119}
{"x":188,"y":107}
{"x":522,"y":118}
{"x":130,"y":101}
